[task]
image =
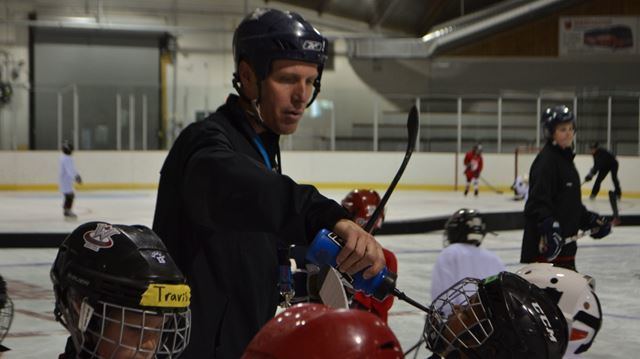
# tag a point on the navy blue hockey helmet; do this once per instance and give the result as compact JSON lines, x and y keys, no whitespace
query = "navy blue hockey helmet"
{"x":269,"y":34}
{"x":553,"y":116}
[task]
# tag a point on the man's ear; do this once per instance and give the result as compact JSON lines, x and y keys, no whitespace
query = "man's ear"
{"x":248,"y":80}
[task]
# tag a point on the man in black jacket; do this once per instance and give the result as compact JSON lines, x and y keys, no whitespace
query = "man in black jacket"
{"x":554,"y":210}
{"x":224,"y":208}
{"x":603,"y":163}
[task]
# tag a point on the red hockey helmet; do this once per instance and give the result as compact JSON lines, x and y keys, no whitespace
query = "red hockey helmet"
{"x":316,"y":331}
{"x":361,"y":203}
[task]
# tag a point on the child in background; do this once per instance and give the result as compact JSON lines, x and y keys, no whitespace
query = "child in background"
{"x":67,"y":175}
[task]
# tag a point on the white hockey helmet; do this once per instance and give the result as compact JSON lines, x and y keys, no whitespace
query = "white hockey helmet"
{"x":575,"y":297}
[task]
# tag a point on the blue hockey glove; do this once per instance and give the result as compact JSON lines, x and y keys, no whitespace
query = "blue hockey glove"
{"x":600,"y":226}
{"x":551,"y":240}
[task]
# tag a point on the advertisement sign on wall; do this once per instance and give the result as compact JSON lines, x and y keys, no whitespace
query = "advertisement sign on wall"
{"x":586,"y":35}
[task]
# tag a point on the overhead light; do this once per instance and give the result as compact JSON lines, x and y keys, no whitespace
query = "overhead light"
{"x":80,"y":20}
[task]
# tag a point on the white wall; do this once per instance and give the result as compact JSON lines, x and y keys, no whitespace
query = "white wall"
{"x":128,"y":170}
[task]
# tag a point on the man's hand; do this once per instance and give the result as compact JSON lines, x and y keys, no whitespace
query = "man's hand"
{"x":78,"y":179}
{"x":360,"y":250}
{"x":551,"y":240}
{"x":600,"y":226}
{"x":588,"y":177}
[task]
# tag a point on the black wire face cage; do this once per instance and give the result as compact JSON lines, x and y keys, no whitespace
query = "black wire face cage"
{"x":458,"y":319}
{"x":6,"y":317}
{"x":114,"y":331}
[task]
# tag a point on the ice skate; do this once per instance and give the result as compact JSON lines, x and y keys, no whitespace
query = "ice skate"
{"x":69,"y":215}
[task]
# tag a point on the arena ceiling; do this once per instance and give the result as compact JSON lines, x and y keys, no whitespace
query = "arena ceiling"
{"x":411,"y":17}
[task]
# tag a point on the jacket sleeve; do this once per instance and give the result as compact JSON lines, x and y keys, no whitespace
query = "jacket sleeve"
{"x":226,"y":189}
{"x":542,"y":190}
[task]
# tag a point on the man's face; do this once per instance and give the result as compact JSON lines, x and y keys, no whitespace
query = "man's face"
{"x":563,"y":134}
{"x":285,"y":94}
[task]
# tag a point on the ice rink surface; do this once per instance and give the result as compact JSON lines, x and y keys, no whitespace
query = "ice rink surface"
{"x":613,"y":262}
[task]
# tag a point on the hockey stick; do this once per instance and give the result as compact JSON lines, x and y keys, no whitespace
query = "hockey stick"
{"x":413,"y":122}
{"x":490,"y":186}
{"x":575,"y":238}
{"x":412,"y":129}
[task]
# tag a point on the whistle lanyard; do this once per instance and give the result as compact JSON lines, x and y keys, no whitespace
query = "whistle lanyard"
{"x":285,"y":277}
{"x":258,"y":141}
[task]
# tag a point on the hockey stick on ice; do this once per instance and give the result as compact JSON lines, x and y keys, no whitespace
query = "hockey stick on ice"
{"x":490,"y":186}
{"x":412,"y":129}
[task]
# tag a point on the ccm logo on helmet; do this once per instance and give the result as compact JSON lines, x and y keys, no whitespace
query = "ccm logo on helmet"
{"x":546,"y":322}
{"x":312,"y":45}
{"x":100,"y":237}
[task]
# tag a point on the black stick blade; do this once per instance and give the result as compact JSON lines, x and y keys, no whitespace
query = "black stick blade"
{"x":412,"y":127}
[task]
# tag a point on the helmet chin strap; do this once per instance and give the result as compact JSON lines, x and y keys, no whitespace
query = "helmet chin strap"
{"x":255,"y":105}
{"x":255,"y":113}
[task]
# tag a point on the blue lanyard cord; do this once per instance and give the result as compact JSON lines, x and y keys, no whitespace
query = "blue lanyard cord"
{"x":262,"y":151}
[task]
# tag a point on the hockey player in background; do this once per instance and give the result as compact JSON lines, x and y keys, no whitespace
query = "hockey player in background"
{"x":575,"y":295}
{"x":499,"y":317}
{"x":224,"y":208}
{"x":554,"y":209}
{"x":473,"y":168}
{"x":603,"y":163}
{"x":520,"y":188}
{"x":361,"y":203}
{"x":119,"y":294}
{"x":66,"y":177}
{"x":462,"y":255}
